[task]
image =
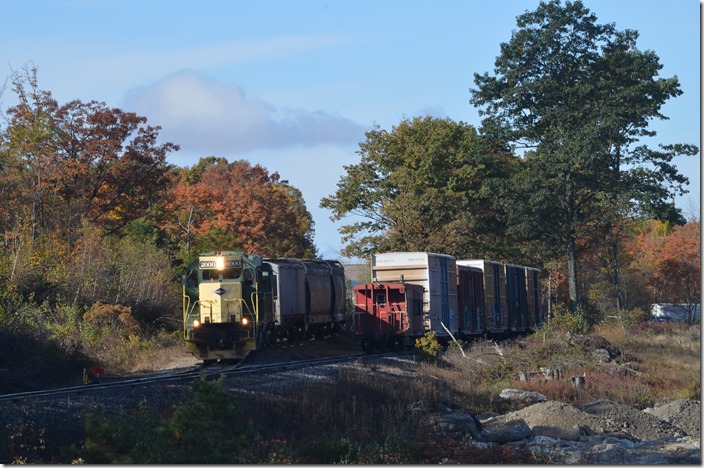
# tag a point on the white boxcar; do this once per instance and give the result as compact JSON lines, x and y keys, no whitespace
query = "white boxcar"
{"x":437,"y":273}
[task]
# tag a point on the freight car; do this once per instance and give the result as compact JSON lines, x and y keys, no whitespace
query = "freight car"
{"x":438,"y":276}
{"x":388,"y":315}
{"x":308,"y":297}
{"x":235,"y":302}
{"x":462,"y":298}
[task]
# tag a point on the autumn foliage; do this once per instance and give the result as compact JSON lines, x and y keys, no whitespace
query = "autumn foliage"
{"x":96,"y":225}
{"x":670,"y":259}
{"x":237,"y":205}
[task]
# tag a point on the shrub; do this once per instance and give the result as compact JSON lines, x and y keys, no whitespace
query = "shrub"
{"x":628,"y":318}
{"x":564,"y":320}
{"x":427,"y":346}
{"x":202,"y":430}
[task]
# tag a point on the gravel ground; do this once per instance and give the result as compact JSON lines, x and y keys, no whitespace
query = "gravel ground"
{"x":61,"y":415}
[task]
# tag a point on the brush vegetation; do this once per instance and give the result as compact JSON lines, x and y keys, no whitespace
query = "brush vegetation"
{"x":377,"y":414}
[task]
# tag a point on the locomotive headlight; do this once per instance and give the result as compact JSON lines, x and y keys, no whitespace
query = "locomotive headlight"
{"x":196,"y":323}
{"x":220,"y":263}
{"x":244,"y":321}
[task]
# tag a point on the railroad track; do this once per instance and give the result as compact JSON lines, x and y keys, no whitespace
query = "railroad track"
{"x":183,"y":376}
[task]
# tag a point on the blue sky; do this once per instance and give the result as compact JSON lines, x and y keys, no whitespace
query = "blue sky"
{"x":293,"y":85}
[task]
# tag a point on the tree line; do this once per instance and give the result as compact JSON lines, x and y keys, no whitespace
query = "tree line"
{"x":96,"y":226}
{"x":557,"y":175}
{"x":91,"y":212}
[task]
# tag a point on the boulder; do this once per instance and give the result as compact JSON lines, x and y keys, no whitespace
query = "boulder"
{"x":455,"y":422}
{"x":513,"y":394}
{"x":503,"y":431}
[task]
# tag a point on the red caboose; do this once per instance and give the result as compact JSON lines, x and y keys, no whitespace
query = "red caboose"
{"x":388,"y":315}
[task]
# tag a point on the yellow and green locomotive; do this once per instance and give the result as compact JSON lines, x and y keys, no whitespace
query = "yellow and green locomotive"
{"x":235,"y":302}
{"x":226,"y":305}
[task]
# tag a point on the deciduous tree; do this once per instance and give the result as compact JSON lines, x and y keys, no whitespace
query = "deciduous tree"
{"x":670,"y":260}
{"x":77,"y":161}
{"x":424,"y":186}
{"x":236,"y":205}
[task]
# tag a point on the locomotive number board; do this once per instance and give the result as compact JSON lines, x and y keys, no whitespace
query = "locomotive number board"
{"x":209,"y":264}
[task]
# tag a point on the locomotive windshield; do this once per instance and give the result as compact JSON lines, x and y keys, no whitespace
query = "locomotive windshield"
{"x":227,"y":273}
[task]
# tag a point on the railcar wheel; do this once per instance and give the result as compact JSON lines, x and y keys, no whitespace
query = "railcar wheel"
{"x":209,"y":362}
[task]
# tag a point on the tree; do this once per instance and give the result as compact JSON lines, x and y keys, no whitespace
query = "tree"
{"x":78,"y":161}
{"x":422,"y":186}
{"x":580,"y":95}
{"x":670,"y":260}
{"x":220,"y":205}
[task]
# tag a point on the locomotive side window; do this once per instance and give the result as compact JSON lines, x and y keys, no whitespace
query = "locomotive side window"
{"x":380,"y":299}
{"x":248,"y":276}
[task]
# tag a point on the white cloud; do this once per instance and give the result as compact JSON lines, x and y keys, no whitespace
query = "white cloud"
{"x":207,"y":117}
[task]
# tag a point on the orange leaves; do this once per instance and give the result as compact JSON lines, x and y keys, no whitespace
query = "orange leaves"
{"x":241,"y":205}
{"x":62,"y":164}
{"x":672,"y":261}
{"x":116,"y":318}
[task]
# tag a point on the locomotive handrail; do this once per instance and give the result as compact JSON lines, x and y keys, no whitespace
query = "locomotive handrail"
{"x":186,"y":306}
{"x":209,"y":304}
{"x":186,"y":300}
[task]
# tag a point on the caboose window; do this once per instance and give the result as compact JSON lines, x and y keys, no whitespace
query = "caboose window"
{"x":417,"y":307}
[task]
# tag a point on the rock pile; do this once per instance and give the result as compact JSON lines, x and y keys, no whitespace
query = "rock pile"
{"x":602,"y":432}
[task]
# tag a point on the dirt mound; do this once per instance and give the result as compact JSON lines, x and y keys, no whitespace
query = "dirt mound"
{"x":553,"y":413}
{"x":683,"y":414}
{"x":626,"y":421}
{"x":613,"y":419}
